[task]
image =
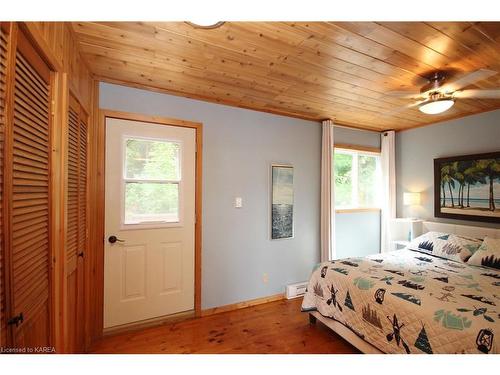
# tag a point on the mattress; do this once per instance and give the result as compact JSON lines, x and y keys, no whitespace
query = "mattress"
{"x":410,"y":302}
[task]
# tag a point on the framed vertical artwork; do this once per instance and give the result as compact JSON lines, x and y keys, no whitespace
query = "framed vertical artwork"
{"x":468,"y":187}
{"x":281,"y":201}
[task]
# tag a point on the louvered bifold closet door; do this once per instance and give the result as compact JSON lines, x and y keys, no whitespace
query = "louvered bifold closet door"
{"x":73,"y":201}
{"x":82,"y":183}
{"x":76,"y":235}
{"x":82,"y":230}
{"x":3,"y":68}
{"x":30,"y":187}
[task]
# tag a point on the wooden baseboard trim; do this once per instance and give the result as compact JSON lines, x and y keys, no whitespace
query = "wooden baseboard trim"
{"x":242,"y":305}
{"x":148,"y":323}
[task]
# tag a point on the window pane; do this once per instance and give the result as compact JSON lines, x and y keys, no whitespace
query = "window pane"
{"x":367,"y":181}
{"x":343,"y":179}
{"x":154,"y":160}
{"x":151,"y":202}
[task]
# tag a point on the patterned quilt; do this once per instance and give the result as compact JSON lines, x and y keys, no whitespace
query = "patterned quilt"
{"x":409,"y":302}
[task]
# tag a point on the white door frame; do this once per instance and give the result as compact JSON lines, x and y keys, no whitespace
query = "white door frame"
{"x":104,"y":114}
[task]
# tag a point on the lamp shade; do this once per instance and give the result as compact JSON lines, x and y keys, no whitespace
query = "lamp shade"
{"x":411,"y":199}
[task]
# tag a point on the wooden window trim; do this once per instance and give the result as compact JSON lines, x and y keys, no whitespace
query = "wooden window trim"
{"x":346,"y":146}
{"x":356,"y":210}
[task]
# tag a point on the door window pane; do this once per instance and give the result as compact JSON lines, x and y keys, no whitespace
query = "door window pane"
{"x":343,"y":179}
{"x":151,"y":202}
{"x":152,"y":159}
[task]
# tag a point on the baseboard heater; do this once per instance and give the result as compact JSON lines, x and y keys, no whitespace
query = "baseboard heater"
{"x":295,"y":290}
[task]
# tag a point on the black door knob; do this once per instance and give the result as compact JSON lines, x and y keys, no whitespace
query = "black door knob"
{"x":113,"y":239}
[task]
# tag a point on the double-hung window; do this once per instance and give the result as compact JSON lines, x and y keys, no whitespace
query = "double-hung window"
{"x":357,"y":178}
{"x":151,"y":181}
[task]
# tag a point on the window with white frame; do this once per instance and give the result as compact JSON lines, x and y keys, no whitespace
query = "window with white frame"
{"x":152,"y":179}
{"x":357,"y":178}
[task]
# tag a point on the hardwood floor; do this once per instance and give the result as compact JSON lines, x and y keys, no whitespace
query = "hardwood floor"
{"x":276,"y":327}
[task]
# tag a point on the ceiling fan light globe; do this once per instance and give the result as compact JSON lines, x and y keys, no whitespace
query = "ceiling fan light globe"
{"x":205,"y":24}
{"x":436,"y":106}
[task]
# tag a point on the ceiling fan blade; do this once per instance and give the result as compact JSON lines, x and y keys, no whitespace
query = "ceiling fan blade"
{"x":479,"y":94}
{"x":468,"y":79}
{"x":404,"y":94}
{"x":401,"y":109}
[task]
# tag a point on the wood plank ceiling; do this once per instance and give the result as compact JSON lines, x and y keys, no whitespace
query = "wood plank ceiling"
{"x":311,"y":70}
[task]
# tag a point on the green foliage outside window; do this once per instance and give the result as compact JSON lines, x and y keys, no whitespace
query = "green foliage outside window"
{"x":152,"y":160}
{"x":343,"y":179}
{"x":147,"y":200}
{"x":356,"y":178}
{"x":367,"y":180}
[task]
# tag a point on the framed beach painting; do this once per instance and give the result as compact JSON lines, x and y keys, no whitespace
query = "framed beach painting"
{"x":282,"y":201}
{"x":468,"y":187}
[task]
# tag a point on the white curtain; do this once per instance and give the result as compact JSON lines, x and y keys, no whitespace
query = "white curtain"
{"x":388,"y":165}
{"x":327,"y":197}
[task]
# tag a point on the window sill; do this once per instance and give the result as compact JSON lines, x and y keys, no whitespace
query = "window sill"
{"x":354,"y":210}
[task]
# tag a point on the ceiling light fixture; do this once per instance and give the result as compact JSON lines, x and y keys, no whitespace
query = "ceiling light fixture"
{"x":205,"y":24}
{"x":437,"y":103}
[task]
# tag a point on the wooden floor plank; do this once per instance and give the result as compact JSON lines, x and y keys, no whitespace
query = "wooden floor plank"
{"x":277,"y":327}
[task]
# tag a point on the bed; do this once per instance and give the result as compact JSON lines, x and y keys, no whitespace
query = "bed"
{"x":406,"y":301}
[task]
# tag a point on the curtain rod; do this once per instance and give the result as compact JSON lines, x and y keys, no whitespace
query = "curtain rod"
{"x":351,"y":127}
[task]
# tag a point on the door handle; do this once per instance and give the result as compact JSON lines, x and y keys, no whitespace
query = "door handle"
{"x":113,"y":239}
{"x":16,"y":320}
{"x":81,"y":254}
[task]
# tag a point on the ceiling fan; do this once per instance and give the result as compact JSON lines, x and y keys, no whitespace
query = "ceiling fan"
{"x":439,"y":95}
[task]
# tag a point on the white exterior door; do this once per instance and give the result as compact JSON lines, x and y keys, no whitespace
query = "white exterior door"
{"x":150,"y":211}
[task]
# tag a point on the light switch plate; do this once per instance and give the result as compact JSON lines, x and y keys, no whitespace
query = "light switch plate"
{"x":238,"y":202}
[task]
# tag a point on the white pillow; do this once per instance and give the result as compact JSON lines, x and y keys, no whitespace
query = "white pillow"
{"x":446,"y":245}
{"x":488,"y":254}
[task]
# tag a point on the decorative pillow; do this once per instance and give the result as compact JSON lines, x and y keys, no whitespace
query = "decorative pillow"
{"x":446,"y":245}
{"x":488,"y":254}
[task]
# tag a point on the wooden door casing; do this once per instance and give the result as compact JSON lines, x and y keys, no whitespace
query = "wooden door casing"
{"x":98,"y":204}
{"x":27,"y":201}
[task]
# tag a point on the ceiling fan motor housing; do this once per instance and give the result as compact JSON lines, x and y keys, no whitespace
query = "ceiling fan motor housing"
{"x":435,"y":82}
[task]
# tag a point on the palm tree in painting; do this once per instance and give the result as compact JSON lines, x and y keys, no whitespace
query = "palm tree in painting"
{"x":466,"y":174}
{"x":491,"y":169}
{"x":472,"y":176}
{"x":459,"y":169}
{"x":447,"y":173}
{"x":443,"y":185}
{"x":493,"y":174}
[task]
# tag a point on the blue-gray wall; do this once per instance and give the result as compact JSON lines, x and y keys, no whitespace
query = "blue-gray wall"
{"x":238,"y":147}
{"x":357,"y":233}
{"x":357,"y":137}
{"x":417,"y":148}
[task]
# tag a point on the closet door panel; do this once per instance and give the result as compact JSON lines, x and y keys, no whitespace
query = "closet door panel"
{"x":3,"y":68}
{"x":72,"y":208}
{"x":30,"y":198}
{"x":82,"y":231}
{"x":76,"y":224}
